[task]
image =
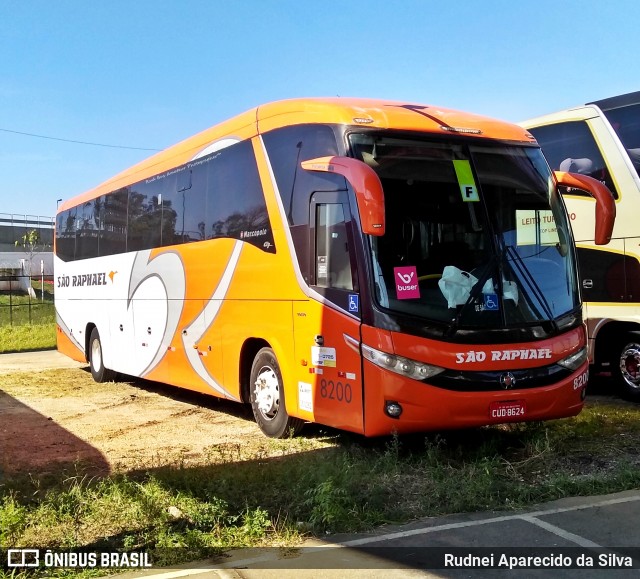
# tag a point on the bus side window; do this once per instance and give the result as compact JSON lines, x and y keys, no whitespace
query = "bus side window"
{"x":144,"y":221}
{"x":333,"y":263}
{"x":287,"y":147}
{"x":113,"y":232}
{"x":570,"y":146}
{"x":66,"y":235}
{"x":87,"y":229}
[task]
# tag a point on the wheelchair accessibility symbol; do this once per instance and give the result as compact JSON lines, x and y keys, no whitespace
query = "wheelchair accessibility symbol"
{"x":353,"y":303}
{"x":490,"y":302}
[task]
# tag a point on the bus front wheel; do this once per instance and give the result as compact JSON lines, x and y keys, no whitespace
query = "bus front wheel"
{"x":625,"y":365}
{"x":267,"y":397}
{"x":96,"y":361}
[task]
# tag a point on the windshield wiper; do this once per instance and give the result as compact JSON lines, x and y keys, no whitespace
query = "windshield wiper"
{"x":531,"y":282}
{"x":524,"y":274}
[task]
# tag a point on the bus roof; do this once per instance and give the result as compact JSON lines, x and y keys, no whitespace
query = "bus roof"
{"x":583,"y":112}
{"x":370,"y":113}
{"x":623,"y":100}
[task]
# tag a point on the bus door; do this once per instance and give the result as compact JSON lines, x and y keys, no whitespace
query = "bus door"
{"x":149,"y":321}
{"x":327,"y":330}
{"x":120,"y":350}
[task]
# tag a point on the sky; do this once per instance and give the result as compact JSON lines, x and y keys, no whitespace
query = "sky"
{"x":145,"y":74}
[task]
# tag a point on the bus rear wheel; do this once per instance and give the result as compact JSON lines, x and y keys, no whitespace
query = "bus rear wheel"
{"x":267,"y":397}
{"x":625,"y":366}
{"x":96,"y":361}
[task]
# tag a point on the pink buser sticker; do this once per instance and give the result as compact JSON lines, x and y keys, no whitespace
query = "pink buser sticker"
{"x":406,"y":279}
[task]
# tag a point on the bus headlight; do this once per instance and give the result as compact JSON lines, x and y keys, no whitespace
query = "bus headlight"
{"x":399,"y":365}
{"x":575,"y":360}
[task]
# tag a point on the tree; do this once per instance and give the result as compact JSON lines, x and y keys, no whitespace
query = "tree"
{"x":30,"y":243}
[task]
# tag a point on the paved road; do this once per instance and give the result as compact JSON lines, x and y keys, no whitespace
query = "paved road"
{"x":600,"y":532}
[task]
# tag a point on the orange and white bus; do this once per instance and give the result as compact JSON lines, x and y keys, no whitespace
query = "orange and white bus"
{"x":373,"y":266}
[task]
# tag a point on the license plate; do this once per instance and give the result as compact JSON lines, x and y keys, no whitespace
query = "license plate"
{"x":511,"y":410}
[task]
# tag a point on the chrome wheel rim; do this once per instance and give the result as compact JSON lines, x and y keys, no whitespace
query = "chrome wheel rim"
{"x":267,"y":393}
{"x":630,"y":365}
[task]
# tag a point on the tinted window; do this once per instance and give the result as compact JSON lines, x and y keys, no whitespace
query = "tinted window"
{"x":287,"y":148}
{"x":113,"y":234}
{"x":88,"y":228}
{"x":235,"y":201}
{"x":456,"y":213}
{"x":66,"y":234}
{"x":184,"y":211}
{"x":626,"y":123}
{"x":145,"y":216}
{"x":219,"y":195}
{"x":571,"y":147}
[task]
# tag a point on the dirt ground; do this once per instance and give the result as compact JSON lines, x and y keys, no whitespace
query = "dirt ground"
{"x":61,"y":418}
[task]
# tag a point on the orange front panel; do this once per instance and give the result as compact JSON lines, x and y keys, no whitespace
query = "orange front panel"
{"x":489,"y":356}
{"x":377,"y":338}
{"x":328,"y":369}
{"x":427,"y":408}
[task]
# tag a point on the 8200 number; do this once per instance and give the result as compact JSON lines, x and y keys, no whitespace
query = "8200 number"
{"x":336,"y":391}
{"x":581,"y":380}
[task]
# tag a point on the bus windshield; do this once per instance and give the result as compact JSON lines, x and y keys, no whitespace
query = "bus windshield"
{"x":626,"y":123}
{"x":476,"y":234}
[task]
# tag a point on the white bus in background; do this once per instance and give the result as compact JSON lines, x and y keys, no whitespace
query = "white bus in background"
{"x":602,"y":139}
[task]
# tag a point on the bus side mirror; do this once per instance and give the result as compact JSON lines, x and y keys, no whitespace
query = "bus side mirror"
{"x":605,"y":203}
{"x":366,"y":183}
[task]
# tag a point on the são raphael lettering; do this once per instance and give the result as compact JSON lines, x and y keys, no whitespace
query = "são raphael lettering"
{"x":85,"y":279}
{"x":525,"y":354}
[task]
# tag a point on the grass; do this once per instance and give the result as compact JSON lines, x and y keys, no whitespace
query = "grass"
{"x":27,"y":324}
{"x":22,"y":311}
{"x":275,"y":494}
{"x":27,"y":338}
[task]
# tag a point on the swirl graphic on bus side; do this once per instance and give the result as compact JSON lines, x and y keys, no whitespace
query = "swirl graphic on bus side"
{"x":147,"y":278}
{"x":205,"y":320}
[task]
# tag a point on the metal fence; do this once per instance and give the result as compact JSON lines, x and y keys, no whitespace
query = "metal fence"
{"x":25,"y":299}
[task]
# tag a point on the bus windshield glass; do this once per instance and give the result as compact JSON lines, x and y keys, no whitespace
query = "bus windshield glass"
{"x":476,"y":234}
{"x":626,"y":123}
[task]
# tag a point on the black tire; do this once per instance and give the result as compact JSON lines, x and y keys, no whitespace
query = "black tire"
{"x":267,"y":397}
{"x":96,"y":360}
{"x":625,"y":366}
